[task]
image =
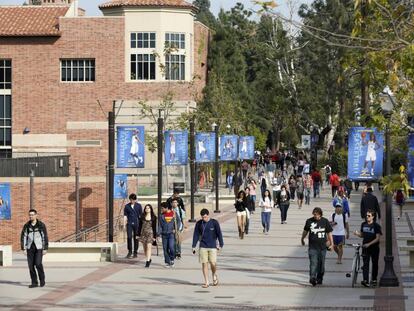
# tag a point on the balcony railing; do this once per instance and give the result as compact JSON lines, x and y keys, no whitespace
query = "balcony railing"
{"x":43,"y":165}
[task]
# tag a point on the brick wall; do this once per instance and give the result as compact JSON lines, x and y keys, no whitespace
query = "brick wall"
{"x":55,"y":203}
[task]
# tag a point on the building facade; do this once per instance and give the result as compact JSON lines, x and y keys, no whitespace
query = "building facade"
{"x":60,"y":74}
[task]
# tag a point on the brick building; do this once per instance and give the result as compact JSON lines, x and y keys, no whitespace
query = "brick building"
{"x":59,"y":75}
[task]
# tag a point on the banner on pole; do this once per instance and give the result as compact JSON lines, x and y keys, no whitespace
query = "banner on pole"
{"x":176,"y":147}
{"x":228,"y":147}
{"x":246,"y":148}
{"x":205,"y":147}
{"x":130,"y":147}
{"x":365,"y":153}
{"x":120,"y":186}
{"x":5,"y":205}
{"x":410,"y":169}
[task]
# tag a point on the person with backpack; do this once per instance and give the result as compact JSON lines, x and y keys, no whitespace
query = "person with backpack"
{"x":400,"y":201}
{"x":180,"y":214}
{"x":340,"y":226}
{"x":207,"y":233}
{"x":168,"y":228}
{"x":316,"y":178}
{"x":176,"y":196}
{"x":370,"y":202}
{"x":35,"y":243}
{"x":335,"y":182}
{"x":328,"y":173}
{"x":341,"y":199}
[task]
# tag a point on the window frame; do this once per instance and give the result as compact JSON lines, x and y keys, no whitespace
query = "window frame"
{"x":6,"y":66}
{"x":77,"y":65}
{"x":151,"y":38}
{"x":140,"y":59}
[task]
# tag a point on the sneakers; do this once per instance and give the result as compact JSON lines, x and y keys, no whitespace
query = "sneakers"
{"x":319,"y":282}
{"x":135,"y":255}
{"x":172,"y":265}
{"x":313,"y":281}
{"x":365,"y":283}
{"x":33,"y":285}
{"x":374,"y":283}
{"x":42,"y":284}
{"x":167,"y":265}
{"x":129,"y":256}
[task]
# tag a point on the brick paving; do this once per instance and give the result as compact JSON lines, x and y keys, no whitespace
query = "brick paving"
{"x":261,"y":272}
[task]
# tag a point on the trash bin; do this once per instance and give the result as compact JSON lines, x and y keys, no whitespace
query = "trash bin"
{"x":179,"y":187}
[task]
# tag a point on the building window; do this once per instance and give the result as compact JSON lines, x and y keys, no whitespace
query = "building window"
{"x":77,"y":70}
{"x":142,"y":67}
{"x":175,"y":40}
{"x":5,"y":121}
{"x":174,"y":67}
{"x":142,"y":40}
{"x":5,"y":74}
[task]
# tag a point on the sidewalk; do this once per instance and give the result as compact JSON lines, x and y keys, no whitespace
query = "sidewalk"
{"x":261,"y":272}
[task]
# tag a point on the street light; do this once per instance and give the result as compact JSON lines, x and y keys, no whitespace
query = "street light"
{"x":388,"y":278}
{"x":216,"y":165}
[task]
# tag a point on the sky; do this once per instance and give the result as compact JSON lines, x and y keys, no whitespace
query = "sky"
{"x":91,"y":6}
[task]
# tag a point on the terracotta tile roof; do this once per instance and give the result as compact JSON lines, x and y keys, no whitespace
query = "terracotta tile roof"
{"x":149,"y":3}
{"x":16,"y":21}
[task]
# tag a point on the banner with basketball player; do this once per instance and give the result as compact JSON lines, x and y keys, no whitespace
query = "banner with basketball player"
{"x":130,"y":144}
{"x":5,"y":202}
{"x":411,"y":159}
{"x":365,"y":153}
{"x":176,"y":147}
{"x":205,"y":147}
{"x":246,"y":147}
{"x":228,"y":147}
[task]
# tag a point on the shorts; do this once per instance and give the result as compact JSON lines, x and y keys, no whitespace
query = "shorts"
{"x":299,"y":195}
{"x":207,"y":255}
{"x":241,"y":214}
{"x":338,"y":239}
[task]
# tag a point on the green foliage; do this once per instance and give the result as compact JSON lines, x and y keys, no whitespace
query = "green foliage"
{"x":338,"y":162}
{"x":395,"y":182}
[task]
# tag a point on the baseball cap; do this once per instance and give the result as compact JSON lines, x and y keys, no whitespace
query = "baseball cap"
{"x":338,"y":204}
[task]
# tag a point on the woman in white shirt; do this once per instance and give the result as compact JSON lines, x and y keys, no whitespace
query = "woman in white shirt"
{"x":266,"y":203}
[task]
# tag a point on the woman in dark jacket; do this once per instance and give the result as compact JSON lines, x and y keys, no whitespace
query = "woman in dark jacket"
{"x":283,"y":201}
{"x":240,"y":206}
{"x":249,"y":203}
{"x":148,"y":231}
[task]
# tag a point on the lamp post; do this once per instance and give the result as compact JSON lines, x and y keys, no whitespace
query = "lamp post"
{"x":192,"y":167}
{"x":388,"y":278}
{"x":314,"y":145}
{"x":228,"y":127}
{"x":216,"y":165}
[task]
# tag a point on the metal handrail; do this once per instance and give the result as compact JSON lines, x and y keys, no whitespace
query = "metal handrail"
{"x":82,"y":235}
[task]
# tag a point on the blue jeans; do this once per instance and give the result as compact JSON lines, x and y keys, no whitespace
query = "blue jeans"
{"x":307,"y":195}
{"x":316,"y":263}
{"x":266,"y":220}
{"x":168,"y":246}
{"x":316,"y":191}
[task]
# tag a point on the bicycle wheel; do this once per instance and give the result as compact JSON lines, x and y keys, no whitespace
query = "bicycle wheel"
{"x":355,"y":268}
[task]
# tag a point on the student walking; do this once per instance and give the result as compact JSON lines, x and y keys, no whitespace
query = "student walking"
{"x":241,"y":213}
{"x":132,"y":215}
{"x":253,"y":186}
{"x":283,"y":201}
{"x":400,"y":201}
{"x":308,"y":183}
{"x":342,"y":200}
{"x":249,"y":203}
{"x":266,"y":203}
{"x":300,"y":188}
{"x":34,"y":242}
{"x":317,"y":179}
{"x":292,"y":187}
{"x":369,"y":202}
{"x":339,"y":223}
{"x":334,"y":180}
{"x":320,"y":232}
{"x":168,"y":228}
{"x":180,"y":213}
{"x":370,"y":233}
{"x":207,"y":233}
{"x":148,"y":232}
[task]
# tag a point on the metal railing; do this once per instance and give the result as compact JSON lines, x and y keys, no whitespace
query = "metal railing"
{"x":96,"y":233}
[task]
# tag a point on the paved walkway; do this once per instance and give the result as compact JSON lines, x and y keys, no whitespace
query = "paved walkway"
{"x":261,"y":272}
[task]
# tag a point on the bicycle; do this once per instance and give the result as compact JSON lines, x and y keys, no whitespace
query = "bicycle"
{"x":356,"y":264}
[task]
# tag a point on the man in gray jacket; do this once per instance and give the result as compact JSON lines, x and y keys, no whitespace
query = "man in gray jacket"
{"x":34,"y":243}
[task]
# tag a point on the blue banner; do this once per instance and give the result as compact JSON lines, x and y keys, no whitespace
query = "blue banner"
{"x":5,"y":205}
{"x":130,"y":150}
{"x":228,"y":147}
{"x":410,"y":169}
{"x":365,"y":153}
{"x":205,"y":147}
{"x":120,"y":186}
{"x":176,"y":147}
{"x":246,"y":148}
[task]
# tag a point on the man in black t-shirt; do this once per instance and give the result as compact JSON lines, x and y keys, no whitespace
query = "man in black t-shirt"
{"x":370,"y":234}
{"x":320,"y":232}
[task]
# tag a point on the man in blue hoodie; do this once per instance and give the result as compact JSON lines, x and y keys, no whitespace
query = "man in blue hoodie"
{"x":207,"y":232}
